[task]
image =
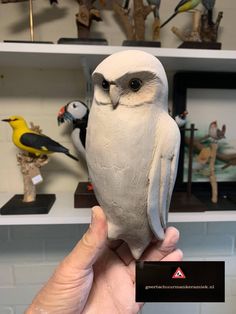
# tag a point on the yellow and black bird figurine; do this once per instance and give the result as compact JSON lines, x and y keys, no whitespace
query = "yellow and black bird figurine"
{"x":183,"y":6}
{"x":33,"y":142}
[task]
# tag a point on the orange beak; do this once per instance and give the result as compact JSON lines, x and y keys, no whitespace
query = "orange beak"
{"x":60,"y":116}
{"x":61,"y":111}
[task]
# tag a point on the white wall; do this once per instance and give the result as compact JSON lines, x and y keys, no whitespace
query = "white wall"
{"x":28,"y":254}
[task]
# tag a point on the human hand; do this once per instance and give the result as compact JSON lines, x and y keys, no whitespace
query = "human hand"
{"x":99,"y":276}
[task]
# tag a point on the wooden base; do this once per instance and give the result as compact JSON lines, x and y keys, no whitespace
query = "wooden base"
{"x":83,"y":197}
{"x":28,"y":42}
{"x":82,"y":41}
{"x":141,"y":43}
{"x":226,"y":201}
{"x":182,"y":203}
{"x":16,"y":206}
{"x":200,"y":45}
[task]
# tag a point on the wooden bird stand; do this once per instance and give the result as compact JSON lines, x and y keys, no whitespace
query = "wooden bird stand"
{"x":30,"y":202}
{"x":30,"y":169}
{"x":213,"y":181}
{"x":84,"y":19}
{"x":134,"y":23}
{"x":203,"y":34}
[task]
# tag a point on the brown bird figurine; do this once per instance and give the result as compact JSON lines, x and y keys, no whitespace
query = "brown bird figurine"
{"x":215,"y":133}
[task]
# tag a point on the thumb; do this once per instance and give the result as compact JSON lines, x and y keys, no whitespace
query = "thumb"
{"x":93,"y":242}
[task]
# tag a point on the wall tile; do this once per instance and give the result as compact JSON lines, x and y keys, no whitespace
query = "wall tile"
{"x":57,"y":250}
{"x":81,"y":229}
{"x":6,"y":310}
{"x":190,"y":227}
{"x":33,"y":273}
{"x":196,"y":245}
{"x":18,"y":295}
{"x":228,"y":227}
{"x":170,"y":308}
{"x":230,"y":264}
{"x":43,"y":231}
{"x":20,"y":309}
{"x":6,"y":275}
{"x":219,"y":308}
{"x":21,"y":251}
{"x":4,"y":232}
{"x":233,"y":286}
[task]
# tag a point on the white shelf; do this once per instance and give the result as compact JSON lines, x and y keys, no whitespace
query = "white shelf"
{"x":203,"y":216}
{"x":63,"y":212}
{"x":73,"y":56}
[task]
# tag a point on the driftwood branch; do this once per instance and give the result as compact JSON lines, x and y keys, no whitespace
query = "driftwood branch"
{"x":156,"y":29}
{"x":229,"y":159}
{"x":141,"y":12}
{"x":212,"y":177}
{"x":194,"y":34}
{"x":209,"y":30}
{"x":134,"y":23}
{"x":30,"y":166}
{"x":86,"y":15}
{"x":203,"y":29}
{"x":139,"y":20}
{"x":124,"y":20}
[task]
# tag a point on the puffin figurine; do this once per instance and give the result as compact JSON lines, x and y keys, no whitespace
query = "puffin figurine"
{"x":77,"y":113}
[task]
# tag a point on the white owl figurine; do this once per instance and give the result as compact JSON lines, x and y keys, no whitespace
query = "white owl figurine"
{"x":132,"y":147}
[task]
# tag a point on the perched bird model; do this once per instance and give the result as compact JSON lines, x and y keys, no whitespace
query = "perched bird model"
{"x":181,"y":119}
{"x":132,"y":147}
{"x":32,"y":142}
{"x":76,"y":112}
{"x":215,"y":133}
{"x":183,"y":6}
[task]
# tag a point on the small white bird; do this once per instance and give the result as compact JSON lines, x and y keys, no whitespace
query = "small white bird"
{"x":215,"y":133}
{"x":181,"y":119}
{"x":76,"y":112}
{"x":132,"y":147}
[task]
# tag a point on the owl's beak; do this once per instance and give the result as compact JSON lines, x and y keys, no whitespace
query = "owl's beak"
{"x":114,"y":95}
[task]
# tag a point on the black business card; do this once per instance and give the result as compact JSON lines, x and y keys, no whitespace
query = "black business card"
{"x":180,"y":281}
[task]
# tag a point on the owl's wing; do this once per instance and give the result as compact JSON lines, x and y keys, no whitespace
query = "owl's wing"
{"x":162,"y":174}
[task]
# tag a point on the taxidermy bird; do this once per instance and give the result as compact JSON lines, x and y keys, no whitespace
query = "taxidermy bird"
{"x":181,"y":119}
{"x":32,"y":142}
{"x":209,"y":6}
{"x":216,"y":133}
{"x":76,"y":112}
{"x":156,"y":6}
{"x":183,"y":6}
{"x":132,"y":147}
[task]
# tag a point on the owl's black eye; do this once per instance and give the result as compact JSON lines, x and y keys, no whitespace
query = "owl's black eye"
{"x":105,"y":85}
{"x":135,"y":84}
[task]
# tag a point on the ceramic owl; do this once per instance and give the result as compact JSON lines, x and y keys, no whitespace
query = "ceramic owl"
{"x":132,"y":147}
